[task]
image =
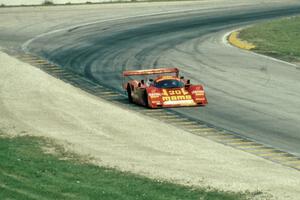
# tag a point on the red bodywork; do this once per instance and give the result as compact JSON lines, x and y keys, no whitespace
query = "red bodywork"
{"x":160,"y":92}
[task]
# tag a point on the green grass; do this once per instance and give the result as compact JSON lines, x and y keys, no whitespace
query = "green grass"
{"x":277,"y":38}
{"x":26,"y":172}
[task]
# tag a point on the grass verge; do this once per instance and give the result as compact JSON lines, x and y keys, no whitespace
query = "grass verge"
{"x":277,"y":38}
{"x":27,"y":172}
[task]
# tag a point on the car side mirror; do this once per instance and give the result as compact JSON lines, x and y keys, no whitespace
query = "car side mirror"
{"x":188,"y":82}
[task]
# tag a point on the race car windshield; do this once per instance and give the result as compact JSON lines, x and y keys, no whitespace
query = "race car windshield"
{"x":169,"y":84}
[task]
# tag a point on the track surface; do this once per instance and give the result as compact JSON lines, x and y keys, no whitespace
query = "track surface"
{"x":251,"y":95}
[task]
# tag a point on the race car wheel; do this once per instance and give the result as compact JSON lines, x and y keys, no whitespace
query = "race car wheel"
{"x":145,"y":98}
{"x":129,"y":94}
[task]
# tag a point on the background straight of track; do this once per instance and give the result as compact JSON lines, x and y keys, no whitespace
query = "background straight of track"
{"x":100,"y":52}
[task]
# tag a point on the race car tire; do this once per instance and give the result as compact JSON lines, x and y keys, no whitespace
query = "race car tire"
{"x":145,"y":98}
{"x":129,"y":94}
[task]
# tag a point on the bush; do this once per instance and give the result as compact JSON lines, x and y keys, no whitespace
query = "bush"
{"x":2,"y":5}
{"x":47,"y":3}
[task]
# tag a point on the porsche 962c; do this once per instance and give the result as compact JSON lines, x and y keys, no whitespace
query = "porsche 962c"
{"x":162,"y":88}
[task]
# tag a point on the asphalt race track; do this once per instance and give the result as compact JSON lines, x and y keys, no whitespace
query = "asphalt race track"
{"x":251,"y":95}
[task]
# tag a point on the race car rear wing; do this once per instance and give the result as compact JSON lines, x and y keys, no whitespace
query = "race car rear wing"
{"x":151,"y":71}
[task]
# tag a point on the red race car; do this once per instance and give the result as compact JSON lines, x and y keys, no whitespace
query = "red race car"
{"x":162,"y":88}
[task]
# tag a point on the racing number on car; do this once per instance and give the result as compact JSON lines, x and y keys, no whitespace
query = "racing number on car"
{"x":174,"y":92}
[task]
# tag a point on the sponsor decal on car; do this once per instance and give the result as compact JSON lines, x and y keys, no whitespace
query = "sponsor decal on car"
{"x":198,"y":92}
{"x":154,"y":95}
{"x":182,"y":102}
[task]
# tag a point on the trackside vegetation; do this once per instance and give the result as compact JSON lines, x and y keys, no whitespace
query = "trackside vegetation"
{"x":29,"y":171}
{"x":47,"y":3}
{"x":278,"y":38}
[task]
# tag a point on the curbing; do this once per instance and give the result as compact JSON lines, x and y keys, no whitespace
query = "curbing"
{"x":234,"y":39}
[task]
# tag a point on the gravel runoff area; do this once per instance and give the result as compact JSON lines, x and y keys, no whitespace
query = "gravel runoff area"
{"x":35,"y":103}
{"x":32,"y":102}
